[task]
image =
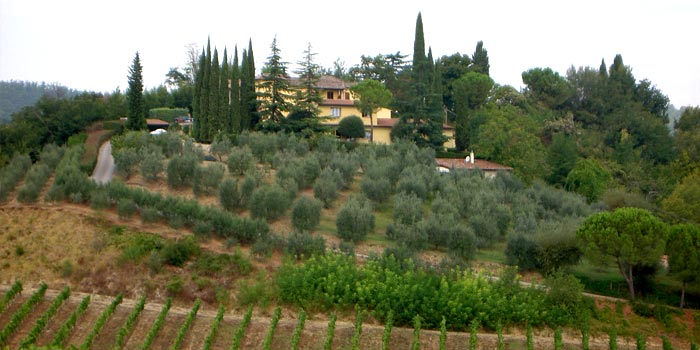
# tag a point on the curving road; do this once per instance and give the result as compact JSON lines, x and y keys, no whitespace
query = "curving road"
{"x":104,"y":170}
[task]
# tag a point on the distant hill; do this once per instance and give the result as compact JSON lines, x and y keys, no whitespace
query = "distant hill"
{"x":14,"y":95}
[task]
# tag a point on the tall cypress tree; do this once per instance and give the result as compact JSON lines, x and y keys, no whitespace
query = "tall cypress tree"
{"x":196,"y":96}
{"x":224,"y":94}
{"x":235,"y":106}
{"x":252,"y":94}
{"x":213,"y":109}
{"x":136,"y":113}
{"x":203,"y":125}
{"x":249,"y":103}
{"x":480,"y":59}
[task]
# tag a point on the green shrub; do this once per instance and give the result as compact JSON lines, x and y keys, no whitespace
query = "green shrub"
{"x":269,"y":202}
{"x":240,"y":331}
{"x":376,"y":189}
{"x":150,"y":215}
{"x":126,"y":161}
{"x":208,"y":179}
{"x":302,"y":244}
{"x":99,"y":199}
{"x":229,"y":196}
{"x":250,"y":183}
{"x":126,"y":208}
{"x":330,"y":334}
{"x":408,"y":209}
{"x":347,"y":165}
{"x":152,"y":165}
{"x":306,"y":213}
{"x":181,"y":170}
{"x":355,"y":219}
{"x":178,"y":252}
{"x":326,"y":187}
{"x":240,"y":160}
{"x":351,"y":127}
{"x":220,"y":147}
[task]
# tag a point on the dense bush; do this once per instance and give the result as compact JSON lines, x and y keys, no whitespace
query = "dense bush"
{"x":181,"y":170}
{"x":70,"y":182}
{"x":408,"y":209}
{"x":302,"y":244}
{"x":178,"y":252}
{"x":152,"y":165}
{"x":126,"y":161}
{"x":126,"y":208}
{"x":269,"y":202}
{"x":229,"y":196}
{"x":383,"y":286}
{"x":240,"y":160}
{"x":208,"y":179}
{"x":355,"y":219}
{"x":220,"y":147}
{"x":306,"y":213}
{"x":327,"y":185}
{"x":376,"y":189}
{"x":346,"y":164}
{"x":351,"y":127}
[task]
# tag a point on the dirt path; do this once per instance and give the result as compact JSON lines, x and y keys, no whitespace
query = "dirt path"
{"x":104,"y":170}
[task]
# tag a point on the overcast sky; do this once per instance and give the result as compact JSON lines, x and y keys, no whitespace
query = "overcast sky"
{"x":90,"y":44}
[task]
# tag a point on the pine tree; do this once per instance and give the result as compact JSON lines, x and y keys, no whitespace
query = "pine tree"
{"x":308,"y":98}
{"x":134,"y":96}
{"x":235,"y":106}
{"x":275,"y":88}
{"x":480,"y":59}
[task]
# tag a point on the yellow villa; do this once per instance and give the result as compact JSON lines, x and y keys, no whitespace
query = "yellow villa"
{"x":339,"y":102}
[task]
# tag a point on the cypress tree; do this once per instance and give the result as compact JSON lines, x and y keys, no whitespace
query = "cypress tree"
{"x":224,"y":94}
{"x":252,"y":95}
{"x":203,"y":125}
{"x":196,"y":96}
{"x":249,"y":104}
{"x":213,"y":110}
{"x":480,"y":59}
{"x":235,"y":106}
{"x":134,"y":96}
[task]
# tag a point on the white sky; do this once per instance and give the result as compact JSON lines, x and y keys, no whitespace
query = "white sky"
{"x":89,"y":44}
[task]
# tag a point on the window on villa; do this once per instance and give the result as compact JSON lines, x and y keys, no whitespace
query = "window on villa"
{"x":365,"y":114}
{"x":329,"y":95}
{"x":347,"y":95}
{"x":335,"y":112}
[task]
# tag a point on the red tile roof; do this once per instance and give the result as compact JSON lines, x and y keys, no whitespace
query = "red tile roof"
{"x":459,"y":163}
{"x":156,"y":122}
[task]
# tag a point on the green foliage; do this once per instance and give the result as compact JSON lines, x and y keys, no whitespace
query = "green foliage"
{"x":269,"y":202}
{"x":372,"y":96}
{"x":528,"y":337}
{"x":684,"y":201}
{"x":641,"y":342}
{"x":632,"y":237}
{"x":101,"y":320}
{"x":306,"y":213}
{"x":208,"y":179}
{"x":612,"y":340}
{"x":229,"y":195}
{"x":240,"y":160}
{"x":267,"y":343}
{"x":684,"y":254}
{"x":126,"y":208}
{"x":181,"y":170}
{"x":157,"y":325}
{"x":351,"y":127}
{"x":416,"y":333}
{"x":44,"y":319}
{"x":126,"y":161}
{"x":240,"y":331}
{"x":152,"y":165}
{"x":67,"y":326}
{"x":355,"y":340}
{"x":21,"y":313}
{"x":588,"y":178}
{"x":376,"y":189}
{"x":10,"y":294}
{"x":564,"y":294}
{"x":178,"y":252}
{"x":388,"y":284}
{"x":214,"y":328}
{"x":443,"y":334}
{"x":666,"y":343}
{"x":558,"y":342}
{"x":296,"y":336}
{"x":330,"y":332}
{"x":355,"y":219}
{"x":186,"y":325}
{"x":499,"y":334}
{"x":473,"y":334}
{"x":12,"y":174}
{"x":129,"y":324}
{"x":136,"y":114}
{"x":327,"y":185}
{"x":302,"y":244}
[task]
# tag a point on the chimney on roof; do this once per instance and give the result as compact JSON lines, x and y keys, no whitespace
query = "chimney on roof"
{"x":471,"y":156}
